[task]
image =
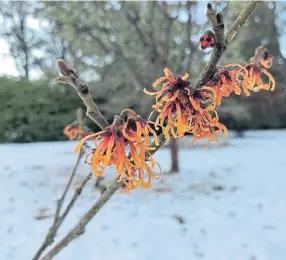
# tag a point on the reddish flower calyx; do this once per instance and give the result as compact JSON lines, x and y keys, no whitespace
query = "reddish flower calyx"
{"x":207,"y":40}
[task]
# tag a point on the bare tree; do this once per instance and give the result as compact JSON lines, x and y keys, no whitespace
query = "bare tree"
{"x":15,"y":31}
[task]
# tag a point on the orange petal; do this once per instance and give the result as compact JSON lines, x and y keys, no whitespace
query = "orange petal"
{"x":185,"y":76}
{"x":109,"y":149}
{"x":82,"y":141}
{"x":160,"y":80}
{"x":168,"y":72}
{"x":149,"y":93}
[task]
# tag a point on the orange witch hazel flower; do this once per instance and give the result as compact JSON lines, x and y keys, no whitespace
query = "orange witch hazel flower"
{"x":252,"y":75}
{"x":167,"y":102}
{"x":185,"y":112}
{"x":206,"y":125}
{"x":124,"y":144}
{"x":236,"y":77}
{"x":253,"y":81}
{"x":73,"y":131}
{"x":225,"y":81}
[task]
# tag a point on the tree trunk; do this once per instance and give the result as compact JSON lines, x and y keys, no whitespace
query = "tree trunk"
{"x":24,"y":45}
{"x":174,"y":155}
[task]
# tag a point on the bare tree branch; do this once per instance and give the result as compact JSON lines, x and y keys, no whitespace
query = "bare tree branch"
{"x":166,"y":44}
{"x":151,"y":29}
{"x":130,"y":71}
{"x":77,"y":193}
{"x":188,"y":40}
{"x":134,"y":18}
{"x":55,"y":226}
{"x":71,"y":78}
{"x":79,"y":228}
{"x":148,"y":40}
{"x":208,"y":70}
{"x":110,"y":47}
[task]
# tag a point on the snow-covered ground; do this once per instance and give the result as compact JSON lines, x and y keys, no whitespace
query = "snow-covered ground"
{"x":227,"y":203}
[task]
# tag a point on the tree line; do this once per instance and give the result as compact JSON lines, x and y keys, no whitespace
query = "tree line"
{"x":119,"y":48}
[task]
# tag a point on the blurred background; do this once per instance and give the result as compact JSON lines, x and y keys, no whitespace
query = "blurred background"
{"x":225,"y":203}
{"x":119,"y":48}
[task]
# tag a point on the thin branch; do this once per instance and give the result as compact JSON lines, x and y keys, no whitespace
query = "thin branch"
{"x":77,"y":193}
{"x":109,"y":47}
{"x":131,"y":72}
{"x":216,"y":20}
{"x":70,"y":77}
{"x":209,"y":69}
{"x":146,"y":38}
{"x":79,"y":228}
{"x":189,"y":43}
{"x":134,"y":19}
{"x":162,"y":140}
{"x":98,"y":184}
{"x":167,"y":32}
{"x":61,"y":200}
{"x":151,"y":30}
{"x":55,"y":226}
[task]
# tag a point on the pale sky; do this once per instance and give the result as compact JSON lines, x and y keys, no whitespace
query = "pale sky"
{"x":7,"y":65}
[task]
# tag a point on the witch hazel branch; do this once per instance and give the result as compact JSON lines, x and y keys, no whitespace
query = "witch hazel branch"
{"x":180,"y":107}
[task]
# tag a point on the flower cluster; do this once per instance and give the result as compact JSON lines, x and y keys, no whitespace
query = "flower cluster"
{"x":124,"y":144}
{"x":250,"y":77}
{"x":183,"y":111}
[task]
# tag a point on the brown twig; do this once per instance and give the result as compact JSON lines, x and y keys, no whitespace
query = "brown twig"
{"x":205,"y":75}
{"x":55,"y":226}
{"x":216,"y":20}
{"x":209,"y":69}
{"x":98,"y":185}
{"x":61,"y":200}
{"x":79,"y":228}
{"x":79,"y":115}
{"x":58,"y":220}
{"x":70,"y":77}
{"x":77,"y":193}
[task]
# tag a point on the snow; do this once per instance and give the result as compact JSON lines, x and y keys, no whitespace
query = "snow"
{"x":227,"y":203}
